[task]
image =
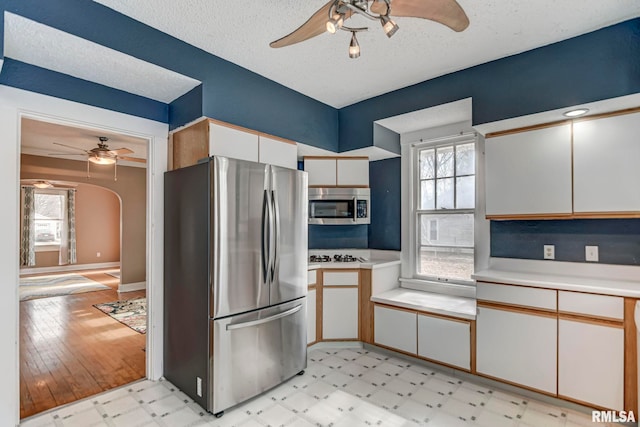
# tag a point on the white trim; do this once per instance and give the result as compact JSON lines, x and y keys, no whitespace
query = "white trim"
{"x":15,"y":104}
{"x":69,"y":267}
{"x":130,"y":287}
{"x":450,"y":139}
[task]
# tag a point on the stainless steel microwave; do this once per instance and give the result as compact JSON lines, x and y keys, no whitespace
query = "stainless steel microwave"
{"x":339,"y":206}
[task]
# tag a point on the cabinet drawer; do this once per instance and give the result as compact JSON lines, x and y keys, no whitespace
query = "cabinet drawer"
{"x":312,"y":277}
{"x":517,"y":295}
{"x":340,"y":278}
{"x":591,"y":305}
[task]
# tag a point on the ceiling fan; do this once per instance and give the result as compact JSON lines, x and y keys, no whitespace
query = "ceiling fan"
{"x":332,"y":15}
{"x":103,"y":155}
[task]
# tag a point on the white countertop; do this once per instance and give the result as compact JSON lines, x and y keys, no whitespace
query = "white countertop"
{"x":449,"y":305}
{"x":590,"y":278}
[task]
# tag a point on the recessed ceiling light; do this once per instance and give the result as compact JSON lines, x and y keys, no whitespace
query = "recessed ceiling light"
{"x":577,"y":112}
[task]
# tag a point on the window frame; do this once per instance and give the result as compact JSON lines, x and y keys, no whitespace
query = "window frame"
{"x":50,"y":246}
{"x":415,"y":213}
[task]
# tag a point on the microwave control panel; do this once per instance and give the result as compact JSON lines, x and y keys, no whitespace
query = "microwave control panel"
{"x":361,"y":209}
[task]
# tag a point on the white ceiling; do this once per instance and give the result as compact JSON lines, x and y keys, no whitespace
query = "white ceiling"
{"x":38,"y":137}
{"x":240,"y":31}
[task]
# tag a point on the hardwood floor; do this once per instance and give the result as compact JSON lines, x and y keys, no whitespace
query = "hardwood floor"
{"x":70,"y":350}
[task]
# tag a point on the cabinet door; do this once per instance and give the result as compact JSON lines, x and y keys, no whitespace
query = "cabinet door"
{"x":340,"y":313}
{"x":311,"y":316}
{"x":529,"y":172}
{"x":395,"y":328}
{"x":446,"y":341}
{"x":517,"y":347}
{"x":322,"y":172}
{"x":234,"y":143}
{"x":591,"y":363}
{"x":278,"y":153}
{"x":606,"y":155}
{"x":353,"y":172}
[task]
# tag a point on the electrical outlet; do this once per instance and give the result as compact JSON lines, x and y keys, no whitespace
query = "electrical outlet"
{"x":549,"y":252}
{"x":199,"y":386}
{"x":591,"y":253}
{"x":98,"y":254}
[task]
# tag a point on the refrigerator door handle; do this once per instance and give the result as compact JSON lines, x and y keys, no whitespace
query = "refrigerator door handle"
{"x":276,"y":236}
{"x":289,"y":312}
{"x":266,"y":232}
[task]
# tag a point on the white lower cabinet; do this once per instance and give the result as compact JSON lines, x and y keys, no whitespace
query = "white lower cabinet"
{"x":395,"y":328}
{"x":311,"y":316}
{"x":340,"y":313}
{"x":591,"y":363}
{"x":517,"y":347}
{"x":446,"y":341}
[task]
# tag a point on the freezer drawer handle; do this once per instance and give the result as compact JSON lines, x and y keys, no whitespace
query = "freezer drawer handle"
{"x":265,"y":320}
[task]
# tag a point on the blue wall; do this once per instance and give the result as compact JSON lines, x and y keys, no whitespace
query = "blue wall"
{"x":229,"y":92}
{"x":338,"y":236}
{"x":595,"y":66}
{"x":384,"y":180}
{"x":618,"y":239}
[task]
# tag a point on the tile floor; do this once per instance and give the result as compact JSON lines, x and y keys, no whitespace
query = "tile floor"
{"x":341,"y":387}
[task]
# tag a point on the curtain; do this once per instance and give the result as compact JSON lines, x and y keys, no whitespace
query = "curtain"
{"x":68,"y":231}
{"x":27,"y":235}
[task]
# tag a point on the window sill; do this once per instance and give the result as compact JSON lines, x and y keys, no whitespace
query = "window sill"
{"x":47,"y":248}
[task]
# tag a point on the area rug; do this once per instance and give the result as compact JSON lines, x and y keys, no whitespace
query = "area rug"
{"x":57,"y":285}
{"x":131,"y":312}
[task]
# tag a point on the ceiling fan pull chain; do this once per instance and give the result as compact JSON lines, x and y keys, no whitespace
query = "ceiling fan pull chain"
{"x":88,"y":176}
{"x":115,"y":171}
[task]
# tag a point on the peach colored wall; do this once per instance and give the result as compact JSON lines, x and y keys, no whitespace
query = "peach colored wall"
{"x":97,"y":228}
{"x":130,"y":186}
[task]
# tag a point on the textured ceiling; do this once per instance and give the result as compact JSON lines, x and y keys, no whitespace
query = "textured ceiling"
{"x":240,"y":31}
{"x":46,"y":47}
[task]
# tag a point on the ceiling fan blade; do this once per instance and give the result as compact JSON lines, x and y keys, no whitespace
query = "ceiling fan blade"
{"x":132,"y":159}
{"x":314,"y":26}
{"x":71,"y":146}
{"x":118,"y":151}
{"x":446,"y":12}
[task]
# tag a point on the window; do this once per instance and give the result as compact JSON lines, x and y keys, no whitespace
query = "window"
{"x":444,"y":210}
{"x":49,"y":214}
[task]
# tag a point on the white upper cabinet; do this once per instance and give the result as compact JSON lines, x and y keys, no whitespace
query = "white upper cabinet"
{"x":529,"y":173}
{"x":234,"y":143}
{"x":210,"y":137}
{"x":337,"y":171}
{"x":606,"y":156}
{"x":353,"y":172}
{"x":278,"y":153}
{"x":322,"y":172}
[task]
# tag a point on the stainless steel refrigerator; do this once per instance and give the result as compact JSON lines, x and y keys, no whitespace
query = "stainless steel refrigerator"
{"x":235,"y":279}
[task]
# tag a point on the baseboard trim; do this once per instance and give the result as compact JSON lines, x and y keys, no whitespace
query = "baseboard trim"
{"x":130,"y":287}
{"x":69,"y":267}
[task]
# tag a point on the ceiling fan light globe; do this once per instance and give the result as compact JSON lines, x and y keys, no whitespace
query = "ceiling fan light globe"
{"x":354,"y":47}
{"x":42,"y":184}
{"x":335,"y":23}
{"x":98,"y":160}
{"x":388,"y":26}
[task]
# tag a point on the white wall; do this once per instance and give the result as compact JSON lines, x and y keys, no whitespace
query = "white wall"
{"x":14,"y":104}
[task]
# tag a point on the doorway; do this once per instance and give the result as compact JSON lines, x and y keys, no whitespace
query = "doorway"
{"x":69,"y":347}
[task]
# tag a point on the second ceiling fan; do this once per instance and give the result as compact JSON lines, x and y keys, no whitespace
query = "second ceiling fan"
{"x":331,"y":17}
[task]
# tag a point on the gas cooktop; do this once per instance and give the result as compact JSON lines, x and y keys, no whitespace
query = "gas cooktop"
{"x":335,"y":258}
